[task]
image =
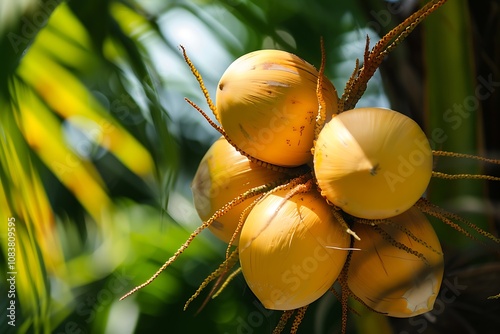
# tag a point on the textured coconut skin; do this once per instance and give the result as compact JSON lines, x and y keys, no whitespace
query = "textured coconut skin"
{"x":289,"y":249}
{"x":222,"y":175}
{"x":266,"y":102}
{"x":390,"y":280}
{"x":373,"y":163}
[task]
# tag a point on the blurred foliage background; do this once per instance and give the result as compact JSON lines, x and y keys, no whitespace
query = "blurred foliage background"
{"x":98,"y":148}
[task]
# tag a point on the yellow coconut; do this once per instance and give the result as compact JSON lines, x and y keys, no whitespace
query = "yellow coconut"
{"x":390,"y":279}
{"x":222,"y":175}
{"x":373,"y":163}
{"x":291,"y":250}
{"x":266,"y":102}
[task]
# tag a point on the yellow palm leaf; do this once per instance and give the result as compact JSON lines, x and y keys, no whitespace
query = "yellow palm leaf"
{"x":68,"y":97}
{"x":42,"y":131}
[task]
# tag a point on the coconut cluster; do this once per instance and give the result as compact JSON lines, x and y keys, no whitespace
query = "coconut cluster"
{"x":313,"y":195}
{"x":293,"y":190}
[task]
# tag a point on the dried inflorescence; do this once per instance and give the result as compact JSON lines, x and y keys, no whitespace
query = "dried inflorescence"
{"x":280,"y":199}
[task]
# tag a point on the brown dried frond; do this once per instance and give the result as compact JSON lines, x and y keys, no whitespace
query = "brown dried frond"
{"x":346,"y":293}
{"x":465,"y":176}
{"x":300,"y":184}
{"x":428,"y":207}
{"x":335,"y":292}
{"x":286,"y":315}
{"x":297,"y":187}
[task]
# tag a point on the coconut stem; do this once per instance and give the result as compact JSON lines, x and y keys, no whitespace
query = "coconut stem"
{"x":339,"y":295}
{"x":464,"y":176}
{"x":341,"y":220}
{"x":241,"y":221}
{"x":412,"y":236}
{"x":345,"y":293}
{"x":344,"y":297}
{"x":275,"y":186}
{"x":295,"y":170}
{"x":372,"y":59}
{"x":298,"y":319}
{"x":226,"y":282}
{"x":404,"y":29}
{"x":209,"y":120}
{"x":301,"y":182}
{"x":387,"y":237}
{"x":374,"y":222}
{"x":285,"y":316}
{"x":448,"y":217}
{"x":298,"y":189}
{"x":219,"y":213}
{"x":494,"y":297}
{"x":320,"y":118}
{"x":227,"y":264}
{"x":348,"y":87}
{"x":198,"y":77}
{"x":466,"y":156}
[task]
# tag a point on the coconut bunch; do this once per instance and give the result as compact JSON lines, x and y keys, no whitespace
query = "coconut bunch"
{"x":313,"y":173}
{"x":305,"y":194}
{"x":307,"y":190}
{"x":267,"y":106}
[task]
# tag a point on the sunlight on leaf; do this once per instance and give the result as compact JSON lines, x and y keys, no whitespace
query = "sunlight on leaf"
{"x":37,"y":246}
{"x":66,"y":96}
{"x":43,"y":133}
